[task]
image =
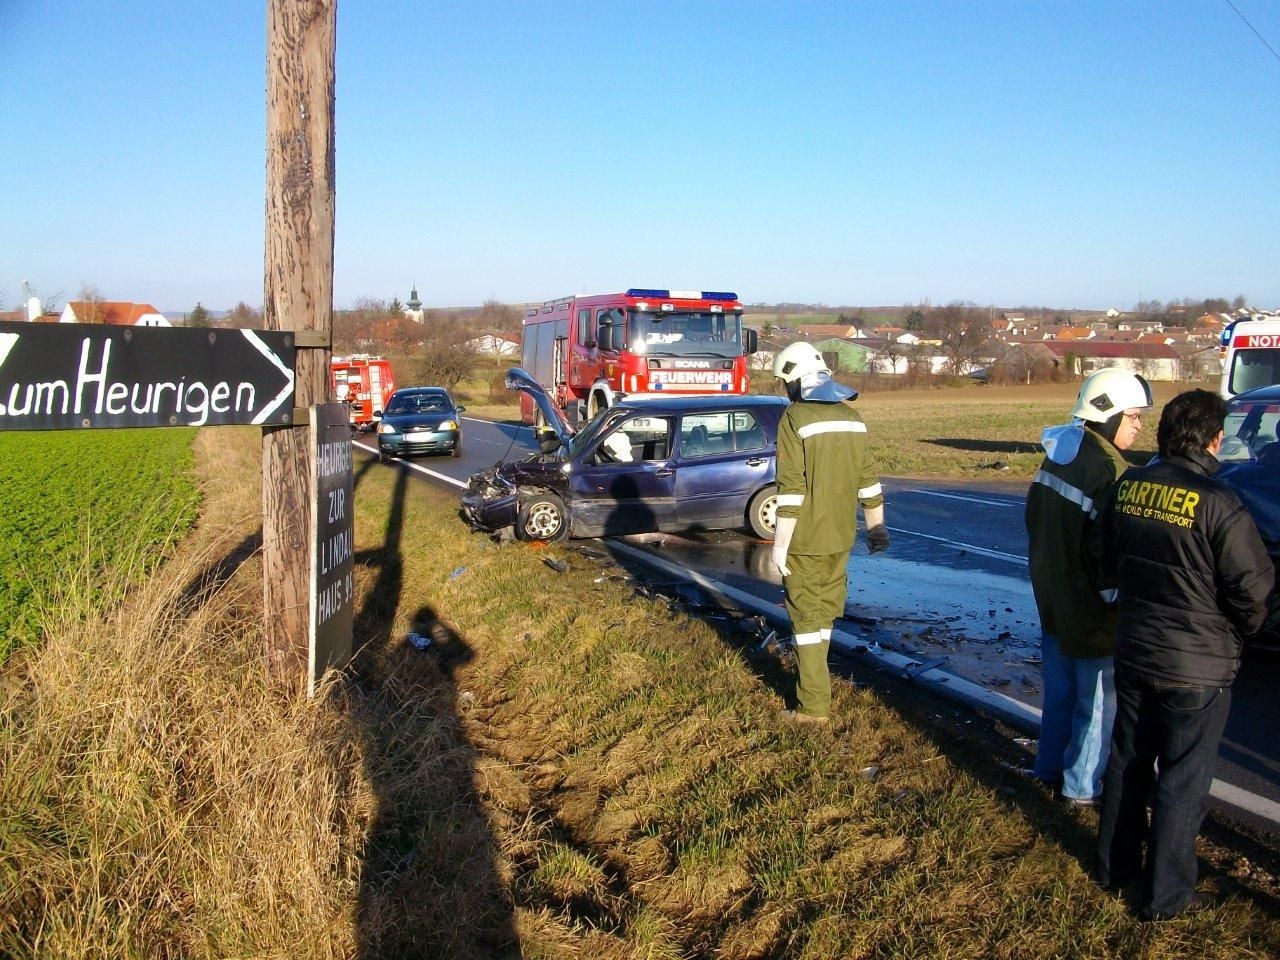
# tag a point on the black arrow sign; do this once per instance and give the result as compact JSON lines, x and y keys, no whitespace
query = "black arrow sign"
{"x":65,"y":376}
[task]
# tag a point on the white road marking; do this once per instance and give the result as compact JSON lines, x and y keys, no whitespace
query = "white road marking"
{"x":967,"y":497}
{"x":413,"y":466}
{"x":982,"y":551}
{"x":496,"y":443}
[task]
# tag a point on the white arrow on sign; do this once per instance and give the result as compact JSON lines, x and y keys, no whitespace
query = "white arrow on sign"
{"x":266,"y":351}
{"x":7,"y":340}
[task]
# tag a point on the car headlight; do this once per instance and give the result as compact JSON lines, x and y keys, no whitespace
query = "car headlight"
{"x":448,"y":425}
{"x":387,"y":428}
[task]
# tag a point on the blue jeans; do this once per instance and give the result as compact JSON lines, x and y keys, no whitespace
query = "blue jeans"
{"x":1075,"y":724}
{"x":1180,"y":726}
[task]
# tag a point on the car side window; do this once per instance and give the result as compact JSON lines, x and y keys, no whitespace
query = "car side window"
{"x":650,"y":437}
{"x":706,"y":434}
{"x":747,"y":432}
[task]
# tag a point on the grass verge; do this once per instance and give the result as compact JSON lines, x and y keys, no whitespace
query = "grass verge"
{"x":571,"y":769}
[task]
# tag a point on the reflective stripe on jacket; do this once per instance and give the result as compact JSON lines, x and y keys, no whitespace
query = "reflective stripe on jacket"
{"x":1065,"y":553}
{"x":824,"y":471}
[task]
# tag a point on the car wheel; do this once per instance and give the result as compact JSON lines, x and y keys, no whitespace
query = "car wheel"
{"x":762,"y":512}
{"x":457,"y":447}
{"x":542,"y":517}
{"x":383,"y":456}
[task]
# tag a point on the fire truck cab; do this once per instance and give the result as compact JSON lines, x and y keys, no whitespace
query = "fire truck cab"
{"x":588,"y":352}
{"x":1250,"y":355}
{"x":363,"y":383}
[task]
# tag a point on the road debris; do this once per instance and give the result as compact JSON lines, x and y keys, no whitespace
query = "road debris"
{"x":559,"y":566}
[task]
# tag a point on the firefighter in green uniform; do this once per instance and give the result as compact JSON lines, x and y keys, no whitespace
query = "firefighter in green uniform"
{"x":824,"y":472}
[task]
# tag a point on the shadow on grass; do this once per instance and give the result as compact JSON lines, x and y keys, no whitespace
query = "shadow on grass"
{"x":428,"y":883}
{"x":985,"y":446}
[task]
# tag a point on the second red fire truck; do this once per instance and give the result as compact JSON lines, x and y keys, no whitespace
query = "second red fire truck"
{"x":363,"y":383}
{"x":588,"y":352}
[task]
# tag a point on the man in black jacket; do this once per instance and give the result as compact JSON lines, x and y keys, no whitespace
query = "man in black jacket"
{"x":1191,"y":580}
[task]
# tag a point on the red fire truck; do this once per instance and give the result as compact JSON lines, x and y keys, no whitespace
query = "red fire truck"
{"x":364,"y":383}
{"x":591,"y":351}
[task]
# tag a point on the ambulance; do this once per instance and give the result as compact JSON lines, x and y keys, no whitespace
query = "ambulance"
{"x":1250,"y":354}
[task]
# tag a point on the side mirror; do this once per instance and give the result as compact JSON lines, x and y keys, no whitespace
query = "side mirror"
{"x":377,"y":414}
{"x":750,"y":341}
{"x":461,"y":409}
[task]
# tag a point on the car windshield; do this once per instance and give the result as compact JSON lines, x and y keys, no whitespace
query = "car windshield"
{"x":587,"y":434}
{"x":417,"y":403}
{"x":1250,"y":433}
{"x":685,"y":334}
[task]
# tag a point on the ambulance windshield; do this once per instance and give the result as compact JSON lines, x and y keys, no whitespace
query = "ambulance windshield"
{"x":685,"y":334}
{"x":1254,"y":367}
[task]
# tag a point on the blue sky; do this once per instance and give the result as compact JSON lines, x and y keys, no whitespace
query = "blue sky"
{"x":1009,"y":153}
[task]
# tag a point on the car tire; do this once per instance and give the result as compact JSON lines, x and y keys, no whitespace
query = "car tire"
{"x":383,"y":456}
{"x":457,"y":447}
{"x":762,"y":512}
{"x":542,"y":517}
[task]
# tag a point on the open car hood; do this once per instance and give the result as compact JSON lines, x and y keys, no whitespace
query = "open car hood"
{"x":518,"y":379}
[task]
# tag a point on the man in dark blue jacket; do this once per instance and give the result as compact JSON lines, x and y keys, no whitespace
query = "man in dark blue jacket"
{"x":1192,"y":580}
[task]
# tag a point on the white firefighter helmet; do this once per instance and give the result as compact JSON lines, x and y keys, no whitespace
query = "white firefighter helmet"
{"x":619,"y":446}
{"x":797,"y":360}
{"x":1105,"y":393}
{"x":801,"y":367}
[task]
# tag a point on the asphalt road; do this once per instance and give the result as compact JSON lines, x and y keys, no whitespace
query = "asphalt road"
{"x":953,"y":585}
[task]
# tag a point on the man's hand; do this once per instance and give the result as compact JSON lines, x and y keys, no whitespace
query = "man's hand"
{"x":786,"y":526}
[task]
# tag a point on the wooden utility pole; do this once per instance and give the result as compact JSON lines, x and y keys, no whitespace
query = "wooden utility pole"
{"x":298,"y":296}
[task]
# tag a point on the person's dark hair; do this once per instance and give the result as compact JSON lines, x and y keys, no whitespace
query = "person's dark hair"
{"x":1189,"y":423}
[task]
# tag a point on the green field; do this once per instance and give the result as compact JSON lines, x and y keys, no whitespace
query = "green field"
{"x":76,"y":502}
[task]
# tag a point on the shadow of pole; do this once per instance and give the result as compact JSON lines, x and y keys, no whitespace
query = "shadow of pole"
{"x":429,"y":885}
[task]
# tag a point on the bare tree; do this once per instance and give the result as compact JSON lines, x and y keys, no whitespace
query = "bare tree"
{"x":92,"y":304}
{"x":497,"y":317}
{"x":243,"y":317}
{"x":1145,"y":360}
{"x":962,"y":327}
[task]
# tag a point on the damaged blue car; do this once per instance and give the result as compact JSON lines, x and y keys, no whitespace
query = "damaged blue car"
{"x":643,"y":465}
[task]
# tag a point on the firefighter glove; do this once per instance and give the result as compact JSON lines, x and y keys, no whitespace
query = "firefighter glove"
{"x":782,"y":542}
{"x":877,"y":532}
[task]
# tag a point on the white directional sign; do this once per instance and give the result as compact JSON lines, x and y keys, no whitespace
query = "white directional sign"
{"x":66,"y":376}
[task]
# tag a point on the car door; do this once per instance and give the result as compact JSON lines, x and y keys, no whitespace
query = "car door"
{"x":612,"y":495}
{"x":722,"y":458}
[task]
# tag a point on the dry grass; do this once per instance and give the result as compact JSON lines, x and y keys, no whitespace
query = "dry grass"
{"x":569,"y":771}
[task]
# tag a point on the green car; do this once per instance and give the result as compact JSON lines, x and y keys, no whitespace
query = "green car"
{"x":417,"y":421}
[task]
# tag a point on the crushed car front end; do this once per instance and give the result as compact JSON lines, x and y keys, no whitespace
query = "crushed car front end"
{"x":490,"y":502}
